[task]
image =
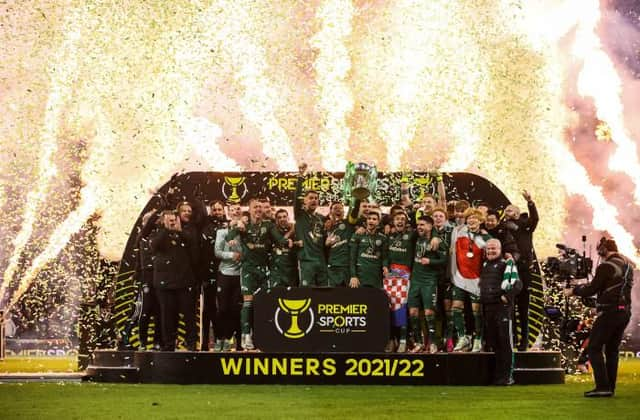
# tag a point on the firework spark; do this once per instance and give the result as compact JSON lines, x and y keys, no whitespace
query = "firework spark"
{"x":62,"y":71}
{"x":599,"y":80}
{"x":93,"y":170}
{"x":335,"y":100}
{"x":605,"y":216}
{"x":459,"y":85}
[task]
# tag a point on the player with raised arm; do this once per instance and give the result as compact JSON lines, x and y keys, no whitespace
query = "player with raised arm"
{"x":284,"y":270}
{"x":339,"y":231}
{"x":309,"y":235}
{"x":424,"y":283}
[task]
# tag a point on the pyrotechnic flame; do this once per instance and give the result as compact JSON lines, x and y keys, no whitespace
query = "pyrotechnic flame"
{"x":465,"y":149}
{"x":409,"y":61}
{"x":462,"y":73}
{"x":575,"y":180}
{"x":61,"y":71}
{"x":202,"y":135}
{"x":197,"y":132}
{"x":260,"y":99}
{"x":599,"y":80}
{"x":411,"y":71}
{"x":332,"y":65}
{"x":90,"y":200}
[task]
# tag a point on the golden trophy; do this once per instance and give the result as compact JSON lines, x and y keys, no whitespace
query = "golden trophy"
{"x":360,"y":181}
{"x":294,"y":307}
{"x":234,"y":182}
{"x":423,"y":184}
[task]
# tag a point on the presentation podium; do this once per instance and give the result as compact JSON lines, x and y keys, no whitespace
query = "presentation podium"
{"x":318,"y":336}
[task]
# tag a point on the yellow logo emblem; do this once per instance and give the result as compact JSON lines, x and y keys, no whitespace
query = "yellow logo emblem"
{"x":234,"y":182}
{"x":294,"y":307}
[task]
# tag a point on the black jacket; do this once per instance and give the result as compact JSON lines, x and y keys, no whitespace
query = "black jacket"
{"x":144,"y":262}
{"x":490,"y":284}
{"x":173,"y":258}
{"x":208,"y":261}
{"x":522,"y":230}
{"x":607,"y":284}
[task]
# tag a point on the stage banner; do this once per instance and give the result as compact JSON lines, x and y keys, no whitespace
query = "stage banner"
{"x":46,"y":347}
{"x":314,"y":320}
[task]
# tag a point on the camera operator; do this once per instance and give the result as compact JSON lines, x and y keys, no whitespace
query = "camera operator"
{"x":612,"y":285}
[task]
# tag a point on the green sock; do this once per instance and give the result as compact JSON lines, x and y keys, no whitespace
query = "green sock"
{"x":458,"y":321}
{"x":449,"y":332}
{"x":477,"y":318}
{"x":245,"y":316}
{"x":431,"y":327}
{"x":416,"y":329}
{"x":403,"y":332}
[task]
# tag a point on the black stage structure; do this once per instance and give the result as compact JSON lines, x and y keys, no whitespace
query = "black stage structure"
{"x":531,"y":368}
{"x":305,"y":367}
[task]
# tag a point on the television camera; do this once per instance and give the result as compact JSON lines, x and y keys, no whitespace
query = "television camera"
{"x":569,"y":319}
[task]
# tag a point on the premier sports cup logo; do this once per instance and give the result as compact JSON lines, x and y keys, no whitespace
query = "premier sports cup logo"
{"x":294,"y":308}
{"x":234,"y":184}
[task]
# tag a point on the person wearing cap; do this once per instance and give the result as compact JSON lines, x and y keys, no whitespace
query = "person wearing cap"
{"x":612,"y":284}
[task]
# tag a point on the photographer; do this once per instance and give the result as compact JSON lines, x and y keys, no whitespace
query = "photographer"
{"x":612,"y":285}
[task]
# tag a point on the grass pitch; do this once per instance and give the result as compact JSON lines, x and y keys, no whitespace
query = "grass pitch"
{"x":66,"y":400}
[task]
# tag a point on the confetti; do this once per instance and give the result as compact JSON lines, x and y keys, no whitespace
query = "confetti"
{"x":102,"y":104}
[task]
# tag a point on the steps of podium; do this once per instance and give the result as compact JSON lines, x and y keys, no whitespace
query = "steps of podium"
{"x":325,"y":368}
{"x":113,"y":374}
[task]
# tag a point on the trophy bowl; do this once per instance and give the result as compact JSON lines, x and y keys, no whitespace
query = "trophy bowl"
{"x":234,"y":182}
{"x":294,"y":307}
{"x":360,"y":187}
